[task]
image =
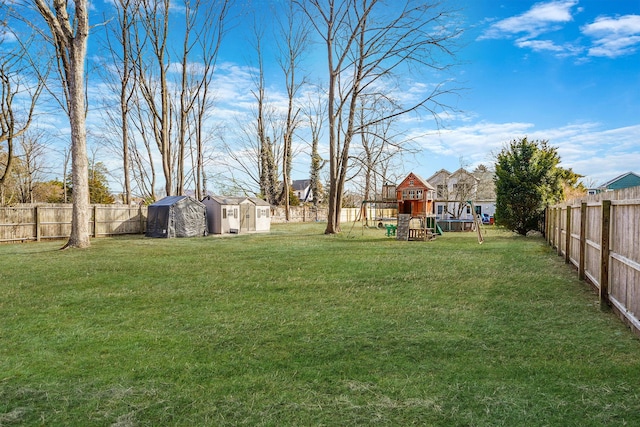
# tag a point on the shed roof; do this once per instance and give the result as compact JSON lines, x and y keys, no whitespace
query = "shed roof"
{"x":169,"y":201}
{"x":236,"y":200}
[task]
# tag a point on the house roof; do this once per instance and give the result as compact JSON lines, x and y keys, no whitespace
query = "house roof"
{"x":423,"y":182}
{"x":300,"y":184}
{"x":440,"y":172}
{"x":629,"y":179}
{"x":463,"y":171}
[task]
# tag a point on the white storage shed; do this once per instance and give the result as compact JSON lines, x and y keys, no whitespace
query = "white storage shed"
{"x":237,"y":214}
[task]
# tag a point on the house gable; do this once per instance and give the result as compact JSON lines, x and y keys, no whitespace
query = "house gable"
{"x":414,"y":181}
{"x":626,"y":180}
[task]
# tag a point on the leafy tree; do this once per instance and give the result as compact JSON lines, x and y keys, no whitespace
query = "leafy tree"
{"x":98,"y":186}
{"x":49,"y":192}
{"x":527,"y":180}
{"x":572,"y":187}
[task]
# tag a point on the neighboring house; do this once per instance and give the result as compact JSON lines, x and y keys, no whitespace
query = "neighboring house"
{"x":454,"y":190}
{"x":237,"y":214}
{"x":302,"y":189}
{"x":626,"y":180}
{"x":485,"y":200}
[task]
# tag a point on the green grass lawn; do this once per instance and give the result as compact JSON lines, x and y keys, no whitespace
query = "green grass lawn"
{"x":295,"y":328}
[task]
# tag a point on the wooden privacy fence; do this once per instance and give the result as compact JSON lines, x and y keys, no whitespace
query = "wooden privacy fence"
{"x":53,"y":221}
{"x":602,"y":239}
{"x":311,"y":214}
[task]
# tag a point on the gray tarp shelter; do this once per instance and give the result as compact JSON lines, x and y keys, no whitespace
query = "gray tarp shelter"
{"x":177,"y":216}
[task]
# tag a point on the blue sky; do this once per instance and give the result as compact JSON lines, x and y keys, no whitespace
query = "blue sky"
{"x":567,"y":71}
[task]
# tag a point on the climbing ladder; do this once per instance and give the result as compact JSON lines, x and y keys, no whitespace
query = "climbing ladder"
{"x":477,"y":221}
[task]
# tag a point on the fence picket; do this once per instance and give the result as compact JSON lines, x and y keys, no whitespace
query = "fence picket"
{"x":609,"y":246}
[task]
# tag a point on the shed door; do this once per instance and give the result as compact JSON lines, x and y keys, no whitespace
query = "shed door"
{"x":247,"y":217}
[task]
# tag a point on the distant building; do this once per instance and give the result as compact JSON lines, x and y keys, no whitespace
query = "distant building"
{"x":626,"y":180}
{"x":302,"y":189}
{"x":455,"y":189}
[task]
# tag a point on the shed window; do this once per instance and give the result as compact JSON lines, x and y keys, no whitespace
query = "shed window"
{"x":224,"y":213}
{"x":235,"y":213}
{"x":259,"y":212}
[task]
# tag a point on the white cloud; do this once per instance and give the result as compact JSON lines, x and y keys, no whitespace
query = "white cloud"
{"x":540,"y":45}
{"x":540,"y":19}
{"x":613,"y":37}
{"x":598,"y":154}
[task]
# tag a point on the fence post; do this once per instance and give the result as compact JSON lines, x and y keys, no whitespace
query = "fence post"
{"x":546,"y":223}
{"x":36,"y":213}
{"x":559,"y":231}
{"x":604,"y":253}
{"x":567,"y":244}
{"x":95,"y":221}
{"x":552,"y":219}
{"x":583,"y":240}
{"x":142,"y":219}
{"x":554,"y":233}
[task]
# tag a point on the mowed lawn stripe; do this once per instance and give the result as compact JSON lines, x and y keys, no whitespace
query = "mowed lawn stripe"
{"x":298,"y":328}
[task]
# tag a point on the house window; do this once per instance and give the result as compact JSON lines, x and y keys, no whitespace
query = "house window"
{"x":440,"y":191}
{"x":468,"y":209}
{"x":410,"y":182}
{"x":439,"y":209}
{"x":224,"y":213}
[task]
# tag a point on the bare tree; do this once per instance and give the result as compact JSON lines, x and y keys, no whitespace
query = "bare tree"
{"x":316,"y":113}
{"x":267,"y":165}
{"x":368,"y":42}
{"x":32,"y":152}
{"x":15,"y":74}
{"x":69,"y":37}
{"x":144,"y":169}
{"x":294,"y":41}
{"x":379,"y":143}
{"x":121,"y":77}
{"x":152,"y":67}
{"x":204,"y":31}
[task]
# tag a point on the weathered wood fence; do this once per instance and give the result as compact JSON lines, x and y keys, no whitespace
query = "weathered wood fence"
{"x":600,"y":236}
{"x":311,"y":214}
{"x":26,"y":222}
{"x":53,"y":221}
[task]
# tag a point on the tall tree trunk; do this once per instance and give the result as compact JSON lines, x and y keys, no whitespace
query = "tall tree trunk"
{"x":70,"y":36}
